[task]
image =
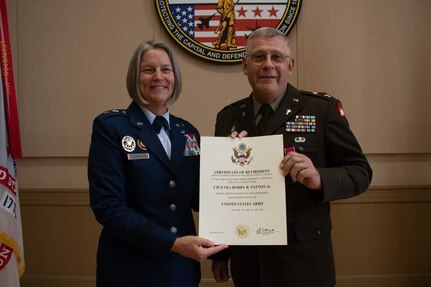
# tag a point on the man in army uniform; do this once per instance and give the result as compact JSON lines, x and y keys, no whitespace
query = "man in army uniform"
{"x":323,"y":162}
{"x":226,"y":30}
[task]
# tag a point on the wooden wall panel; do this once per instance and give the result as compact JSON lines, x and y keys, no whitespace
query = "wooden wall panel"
{"x":74,"y":70}
{"x":373,"y":55}
{"x":376,"y":240}
{"x":60,"y":239}
{"x":376,"y":57}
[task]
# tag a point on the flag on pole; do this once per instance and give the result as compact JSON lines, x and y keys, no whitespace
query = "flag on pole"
{"x":10,"y":106}
{"x":11,"y":242}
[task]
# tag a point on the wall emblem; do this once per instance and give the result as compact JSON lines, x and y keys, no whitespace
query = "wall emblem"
{"x":217,"y":30}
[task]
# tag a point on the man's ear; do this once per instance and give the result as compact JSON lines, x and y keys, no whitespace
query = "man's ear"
{"x":291,"y":64}
{"x":244,"y":65}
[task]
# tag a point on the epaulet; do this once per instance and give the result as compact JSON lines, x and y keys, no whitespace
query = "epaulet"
{"x":183,"y":121}
{"x":320,"y":95}
{"x":234,"y":104}
{"x":180,"y":122}
{"x":114,"y":113}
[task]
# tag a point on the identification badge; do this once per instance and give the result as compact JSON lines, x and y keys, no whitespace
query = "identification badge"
{"x":137,"y":156}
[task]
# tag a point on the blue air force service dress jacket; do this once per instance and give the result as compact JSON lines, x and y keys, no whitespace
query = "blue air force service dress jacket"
{"x":315,"y":125}
{"x":143,"y":199}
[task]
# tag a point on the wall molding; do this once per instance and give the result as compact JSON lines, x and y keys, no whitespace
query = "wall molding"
{"x":385,"y":280}
{"x":392,"y":194}
{"x":367,"y":280}
{"x":375,"y":194}
{"x":55,"y":280}
{"x":54,"y":197}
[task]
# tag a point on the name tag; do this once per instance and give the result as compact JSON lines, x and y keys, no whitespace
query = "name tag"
{"x":136,"y":156}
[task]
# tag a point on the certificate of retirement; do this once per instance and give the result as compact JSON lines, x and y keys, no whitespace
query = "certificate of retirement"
{"x":242,"y":191}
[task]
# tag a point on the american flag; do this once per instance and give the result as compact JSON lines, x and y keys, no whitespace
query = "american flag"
{"x":200,"y":19}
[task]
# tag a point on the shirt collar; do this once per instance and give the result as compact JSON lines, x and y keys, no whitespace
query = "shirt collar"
{"x":274,"y":104}
{"x":150,"y":116}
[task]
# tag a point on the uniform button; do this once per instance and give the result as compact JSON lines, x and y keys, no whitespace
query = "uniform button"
{"x":318,"y":232}
{"x":173,"y":230}
{"x":173,"y":207}
{"x":172,"y":184}
{"x":300,"y":148}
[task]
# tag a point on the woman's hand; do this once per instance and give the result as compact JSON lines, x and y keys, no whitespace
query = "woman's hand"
{"x":196,"y":247}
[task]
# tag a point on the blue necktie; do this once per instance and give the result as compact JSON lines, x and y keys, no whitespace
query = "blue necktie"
{"x":160,"y":121}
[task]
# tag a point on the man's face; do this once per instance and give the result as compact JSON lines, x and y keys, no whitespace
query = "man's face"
{"x":268,"y":66}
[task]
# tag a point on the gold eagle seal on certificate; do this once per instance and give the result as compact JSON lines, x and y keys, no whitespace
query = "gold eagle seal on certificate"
{"x":242,"y":231}
{"x":241,"y":154}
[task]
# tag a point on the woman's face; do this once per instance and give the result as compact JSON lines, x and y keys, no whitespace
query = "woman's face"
{"x":156,"y":80}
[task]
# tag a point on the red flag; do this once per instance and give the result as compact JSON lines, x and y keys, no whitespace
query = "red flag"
{"x":10,"y":105}
{"x":11,"y":243}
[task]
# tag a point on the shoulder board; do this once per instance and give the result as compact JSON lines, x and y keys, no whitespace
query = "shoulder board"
{"x":239,"y":102}
{"x":321,"y":95}
{"x":182,"y":121}
{"x":114,"y":113}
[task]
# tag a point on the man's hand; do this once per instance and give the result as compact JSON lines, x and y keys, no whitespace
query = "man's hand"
{"x":301,"y":169}
{"x":236,"y":134}
{"x":196,"y":247}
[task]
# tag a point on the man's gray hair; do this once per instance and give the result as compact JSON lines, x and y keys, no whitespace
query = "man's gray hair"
{"x":264,"y":32}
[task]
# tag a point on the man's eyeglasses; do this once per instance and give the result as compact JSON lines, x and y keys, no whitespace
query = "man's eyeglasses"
{"x":261,"y":57}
